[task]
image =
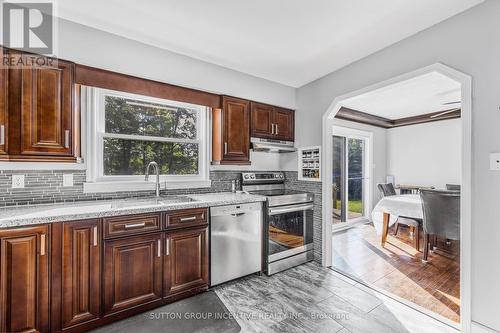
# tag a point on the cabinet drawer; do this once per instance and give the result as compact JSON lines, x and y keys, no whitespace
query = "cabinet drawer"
{"x":130,"y":225}
{"x":186,"y":218}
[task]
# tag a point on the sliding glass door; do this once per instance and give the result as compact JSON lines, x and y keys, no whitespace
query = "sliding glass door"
{"x":349,"y":178}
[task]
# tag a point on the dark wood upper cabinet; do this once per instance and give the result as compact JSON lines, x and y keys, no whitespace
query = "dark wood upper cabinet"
{"x":47,"y":110}
{"x":3,"y":108}
{"x":262,"y":120}
{"x":186,"y":260}
{"x":81,"y":272}
{"x":132,"y":272}
{"x":231,"y":132}
{"x":284,"y":128}
{"x":270,"y":122}
{"x":24,"y":279}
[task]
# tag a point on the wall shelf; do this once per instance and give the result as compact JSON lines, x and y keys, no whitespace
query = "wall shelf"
{"x":309,"y":163}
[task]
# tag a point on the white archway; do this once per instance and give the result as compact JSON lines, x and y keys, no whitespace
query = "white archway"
{"x":466,"y":201}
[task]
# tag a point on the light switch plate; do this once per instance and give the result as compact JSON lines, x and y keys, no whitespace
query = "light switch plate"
{"x":67,"y":179}
{"x":495,"y":161}
{"x":17,"y":181}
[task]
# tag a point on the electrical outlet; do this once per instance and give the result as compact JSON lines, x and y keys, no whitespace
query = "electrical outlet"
{"x":67,"y":179}
{"x":17,"y":181}
{"x":495,"y":161}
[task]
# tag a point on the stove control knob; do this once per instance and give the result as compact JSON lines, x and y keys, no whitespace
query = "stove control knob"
{"x":252,"y":176}
{"x":247,"y":176}
{"x":281,"y":176}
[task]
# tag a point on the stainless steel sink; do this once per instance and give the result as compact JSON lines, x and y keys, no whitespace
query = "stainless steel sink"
{"x":148,"y":202}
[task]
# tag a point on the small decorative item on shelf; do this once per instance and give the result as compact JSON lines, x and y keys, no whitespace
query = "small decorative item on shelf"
{"x":309,"y":163}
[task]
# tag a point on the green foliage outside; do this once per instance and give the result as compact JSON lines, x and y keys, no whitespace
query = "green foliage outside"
{"x":130,"y":157}
{"x":354,"y":206}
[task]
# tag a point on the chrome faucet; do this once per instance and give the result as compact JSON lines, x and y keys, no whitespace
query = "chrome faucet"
{"x":156,"y":169}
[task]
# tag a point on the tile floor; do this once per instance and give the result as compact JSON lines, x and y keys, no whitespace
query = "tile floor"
{"x":311,"y":298}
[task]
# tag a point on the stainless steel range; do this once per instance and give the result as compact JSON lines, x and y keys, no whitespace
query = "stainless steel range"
{"x":289,"y":222}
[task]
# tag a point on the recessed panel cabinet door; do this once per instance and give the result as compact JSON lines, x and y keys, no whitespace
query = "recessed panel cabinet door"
{"x":132,"y":271}
{"x":236,"y":130}
{"x":284,"y":124}
{"x":186,"y":260}
{"x":81,"y":274}
{"x":261,"y":116}
{"x":46,"y":110}
{"x":24,"y":279}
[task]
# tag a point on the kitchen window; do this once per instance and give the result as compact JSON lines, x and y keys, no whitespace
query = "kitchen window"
{"x":127,"y":131}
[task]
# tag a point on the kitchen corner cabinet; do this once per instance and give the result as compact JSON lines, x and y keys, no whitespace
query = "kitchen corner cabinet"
{"x":81,"y":272}
{"x":42,"y":112}
{"x":181,"y":247}
{"x":24,"y":279}
{"x":270,"y":122}
{"x":231,"y":132}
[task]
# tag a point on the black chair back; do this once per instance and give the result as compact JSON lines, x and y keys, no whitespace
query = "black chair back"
{"x":386,"y":189}
{"x":452,"y":187}
{"x":441,"y":213}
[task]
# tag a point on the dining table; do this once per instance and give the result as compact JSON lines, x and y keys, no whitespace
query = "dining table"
{"x":390,"y":208}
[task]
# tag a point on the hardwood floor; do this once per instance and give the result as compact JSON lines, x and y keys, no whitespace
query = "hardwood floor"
{"x":398,"y":268}
{"x":311,"y":298}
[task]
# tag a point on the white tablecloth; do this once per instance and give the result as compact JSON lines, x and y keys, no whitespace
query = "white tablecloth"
{"x":407,"y":205}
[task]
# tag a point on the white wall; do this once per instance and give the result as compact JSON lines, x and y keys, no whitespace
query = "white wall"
{"x":467,"y":42}
{"x":425,"y":154}
{"x":92,"y":47}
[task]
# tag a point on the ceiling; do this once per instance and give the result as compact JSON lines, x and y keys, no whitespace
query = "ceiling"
{"x":421,"y":95}
{"x":292,"y":42}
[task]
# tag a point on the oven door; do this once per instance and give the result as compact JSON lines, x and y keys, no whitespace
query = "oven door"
{"x":290,"y":230}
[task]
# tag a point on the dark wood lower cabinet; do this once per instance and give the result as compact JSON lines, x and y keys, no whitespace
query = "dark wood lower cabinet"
{"x":81,"y":272}
{"x":24,"y":287}
{"x":132,"y":272}
{"x":186,"y":260}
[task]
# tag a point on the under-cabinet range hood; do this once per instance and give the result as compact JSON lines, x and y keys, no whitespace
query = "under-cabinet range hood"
{"x":272,"y":146}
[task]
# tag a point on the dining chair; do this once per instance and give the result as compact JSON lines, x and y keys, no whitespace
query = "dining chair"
{"x":452,"y":187}
{"x":414,"y":224}
{"x":441,"y":216}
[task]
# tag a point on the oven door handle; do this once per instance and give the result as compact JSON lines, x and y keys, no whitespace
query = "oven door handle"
{"x":290,"y":209}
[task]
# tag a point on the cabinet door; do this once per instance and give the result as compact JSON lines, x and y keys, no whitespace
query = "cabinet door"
{"x":132,"y":271}
{"x":186,"y":260}
{"x":261,"y":120}
{"x":47,"y":110}
{"x":3,"y":107}
{"x":24,"y":279}
{"x":236,"y":131}
{"x":284,"y":124}
{"x":81,"y":271}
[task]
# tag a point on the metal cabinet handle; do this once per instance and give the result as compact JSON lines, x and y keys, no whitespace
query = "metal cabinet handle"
{"x":225,"y":148}
{"x":185,"y":219}
{"x":94,"y":240}
{"x":167,"y":246}
{"x":276,"y":129}
{"x":159,"y":248}
{"x":272,"y":129}
{"x":66,"y":139}
{"x":42,"y":244}
{"x":2,"y":135}
{"x":135,"y":225}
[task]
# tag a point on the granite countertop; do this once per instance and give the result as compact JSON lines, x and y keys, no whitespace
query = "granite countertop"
{"x":48,"y":213}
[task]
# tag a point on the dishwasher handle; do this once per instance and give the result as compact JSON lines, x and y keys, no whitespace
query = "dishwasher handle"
{"x":238,"y":214}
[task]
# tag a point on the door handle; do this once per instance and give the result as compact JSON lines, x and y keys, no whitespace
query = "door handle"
{"x":159,"y":248}
{"x":185,"y":219}
{"x":167,"y":246}
{"x":42,"y":244}
{"x":94,"y":236}
{"x":135,"y":225}
{"x":2,"y":135}
{"x":66,"y":139}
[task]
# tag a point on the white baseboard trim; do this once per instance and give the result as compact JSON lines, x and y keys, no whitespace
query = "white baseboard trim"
{"x":478,"y":328}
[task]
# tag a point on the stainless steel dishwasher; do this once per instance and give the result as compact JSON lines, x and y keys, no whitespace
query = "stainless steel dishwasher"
{"x":235,"y":241}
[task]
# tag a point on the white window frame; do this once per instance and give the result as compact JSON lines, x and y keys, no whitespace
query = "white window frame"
{"x":95,"y":131}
